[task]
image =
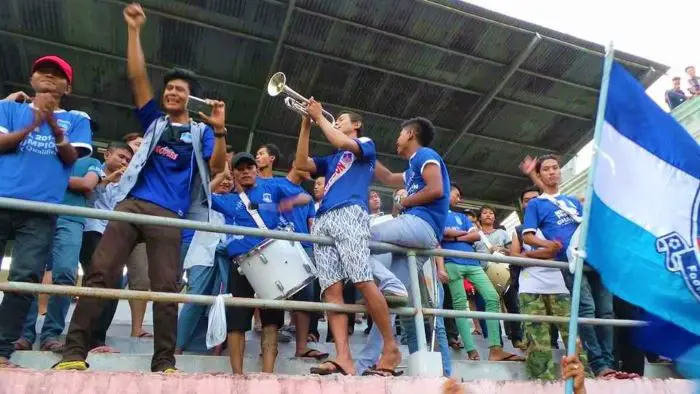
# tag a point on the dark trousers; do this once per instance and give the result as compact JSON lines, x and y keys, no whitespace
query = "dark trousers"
{"x":99,"y":333}
{"x":33,"y":236}
{"x":450,"y":323}
{"x":106,"y":268}
{"x":315,"y":316}
{"x":514,"y":329}
{"x":629,"y":357}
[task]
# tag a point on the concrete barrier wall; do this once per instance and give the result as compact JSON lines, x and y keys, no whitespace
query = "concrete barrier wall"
{"x":29,"y":381}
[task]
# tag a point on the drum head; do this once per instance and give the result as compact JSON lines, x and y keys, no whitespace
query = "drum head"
{"x":499,"y":274}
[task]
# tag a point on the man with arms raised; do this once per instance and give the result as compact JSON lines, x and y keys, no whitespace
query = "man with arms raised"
{"x":35,"y":136}
{"x":168,"y":177}
{"x":343,"y":216}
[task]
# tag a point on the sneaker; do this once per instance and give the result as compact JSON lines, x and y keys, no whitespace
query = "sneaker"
{"x":71,"y":366}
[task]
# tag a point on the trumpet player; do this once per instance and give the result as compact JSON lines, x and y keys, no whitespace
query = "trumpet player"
{"x":343,"y":216}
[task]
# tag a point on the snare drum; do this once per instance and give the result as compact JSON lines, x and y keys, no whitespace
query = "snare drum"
{"x":277,"y":269}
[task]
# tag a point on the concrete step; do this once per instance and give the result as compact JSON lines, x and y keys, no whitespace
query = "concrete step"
{"x":27,"y":381}
{"x":462,"y":369}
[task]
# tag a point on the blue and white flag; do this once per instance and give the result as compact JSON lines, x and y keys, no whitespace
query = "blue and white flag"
{"x":643,"y":234}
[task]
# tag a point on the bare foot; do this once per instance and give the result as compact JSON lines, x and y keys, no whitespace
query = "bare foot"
{"x":390,"y":359}
{"x":497,"y":353}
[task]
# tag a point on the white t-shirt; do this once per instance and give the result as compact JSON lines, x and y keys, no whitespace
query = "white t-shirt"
{"x":541,"y":280}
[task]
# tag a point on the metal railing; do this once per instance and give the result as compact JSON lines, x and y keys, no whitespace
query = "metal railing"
{"x":417,"y":310}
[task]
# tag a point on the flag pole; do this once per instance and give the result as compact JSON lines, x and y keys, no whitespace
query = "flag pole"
{"x":583,"y":231}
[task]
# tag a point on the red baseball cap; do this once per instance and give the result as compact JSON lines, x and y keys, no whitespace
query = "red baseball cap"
{"x":60,"y":63}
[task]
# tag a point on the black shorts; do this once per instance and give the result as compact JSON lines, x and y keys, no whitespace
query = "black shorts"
{"x":239,"y":318}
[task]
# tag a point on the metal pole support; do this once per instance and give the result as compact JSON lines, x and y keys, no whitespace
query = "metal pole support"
{"x":422,"y":362}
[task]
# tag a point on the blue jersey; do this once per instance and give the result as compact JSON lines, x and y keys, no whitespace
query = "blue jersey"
{"x":300,"y":215}
{"x":434,"y":212}
{"x":554,"y":223}
{"x":81,"y":168}
{"x":166,"y":178}
{"x":266,"y":195}
{"x":34,"y":171}
{"x":347,"y":176}
{"x":458,"y":221}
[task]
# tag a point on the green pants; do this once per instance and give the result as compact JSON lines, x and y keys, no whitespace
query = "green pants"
{"x":538,"y":360}
{"x":476,"y":275}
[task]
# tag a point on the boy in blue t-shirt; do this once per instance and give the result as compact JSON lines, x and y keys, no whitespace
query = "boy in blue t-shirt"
{"x":39,"y":143}
{"x":557,"y":216}
{"x":168,"y":177}
{"x":343,"y":216}
{"x":424,"y":211}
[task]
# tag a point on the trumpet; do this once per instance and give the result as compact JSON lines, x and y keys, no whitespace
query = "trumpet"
{"x":294,"y":101}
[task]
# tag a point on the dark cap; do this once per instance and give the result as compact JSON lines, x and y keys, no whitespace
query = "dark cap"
{"x":60,"y":63}
{"x":241,"y":157}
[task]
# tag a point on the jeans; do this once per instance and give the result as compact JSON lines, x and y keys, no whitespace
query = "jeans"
{"x":33,"y":235}
{"x":413,"y":232}
{"x":476,"y":275}
{"x":68,"y":237}
{"x":596,"y":301}
{"x":203,"y":280}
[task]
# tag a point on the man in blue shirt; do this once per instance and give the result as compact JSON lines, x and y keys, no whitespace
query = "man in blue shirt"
{"x":168,"y":177}
{"x":63,"y":263}
{"x":301,"y":219}
{"x":343,"y":216}
{"x":39,"y":142}
{"x":269,"y":199}
{"x":557,"y":216}
{"x":266,"y":157}
{"x":424,"y":211}
{"x":460,"y":234}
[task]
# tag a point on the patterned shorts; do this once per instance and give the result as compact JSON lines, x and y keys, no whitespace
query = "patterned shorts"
{"x":349,"y":257}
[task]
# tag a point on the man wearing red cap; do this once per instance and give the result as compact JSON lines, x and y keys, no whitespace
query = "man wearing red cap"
{"x":39,"y":143}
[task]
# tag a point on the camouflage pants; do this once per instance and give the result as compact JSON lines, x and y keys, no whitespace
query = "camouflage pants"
{"x":538,"y":358}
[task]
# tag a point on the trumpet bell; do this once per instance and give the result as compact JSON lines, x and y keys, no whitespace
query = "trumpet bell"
{"x":276,"y":84}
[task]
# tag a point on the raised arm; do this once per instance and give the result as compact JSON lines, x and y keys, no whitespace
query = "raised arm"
{"x":335,"y":137}
{"x":135,"y":60}
{"x":527,"y":166}
{"x":302,"y":161}
{"x":385,"y":176}
{"x":217,"y":121}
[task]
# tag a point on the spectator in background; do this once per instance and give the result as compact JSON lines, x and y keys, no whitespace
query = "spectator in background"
{"x":37,"y":135}
{"x":134,"y":141}
{"x":266,"y":157}
{"x":67,"y":240}
{"x":675,"y":96}
{"x":117,"y":158}
{"x":207,"y":270}
{"x":693,"y":81}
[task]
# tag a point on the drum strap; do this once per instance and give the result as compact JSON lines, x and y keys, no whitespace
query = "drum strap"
{"x":571,"y":211}
{"x":485,"y":240}
{"x":253,"y":212}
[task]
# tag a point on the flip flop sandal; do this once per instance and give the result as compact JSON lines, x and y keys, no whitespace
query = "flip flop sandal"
{"x":454,"y":344}
{"x":473,"y":355}
{"x":52,"y":346}
{"x":608,"y":374}
{"x":383,"y":372}
{"x":145,"y":334}
{"x":512,"y":357}
{"x":318,"y":356}
{"x":325,"y":371}
{"x":22,"y":344}
{"x":312,"y":338}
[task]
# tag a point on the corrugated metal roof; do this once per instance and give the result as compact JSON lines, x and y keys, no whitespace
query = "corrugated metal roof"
{"x":388,"y":60}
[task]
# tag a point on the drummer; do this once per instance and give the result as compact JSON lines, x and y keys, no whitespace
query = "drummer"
{"x":460,"y":234}
{"x":269,"y":198}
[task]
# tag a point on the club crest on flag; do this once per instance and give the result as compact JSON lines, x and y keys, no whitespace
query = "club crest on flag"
{"x":682,"y":255}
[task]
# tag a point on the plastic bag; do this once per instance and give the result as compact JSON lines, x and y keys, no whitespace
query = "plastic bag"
{"x":216,"y":329}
